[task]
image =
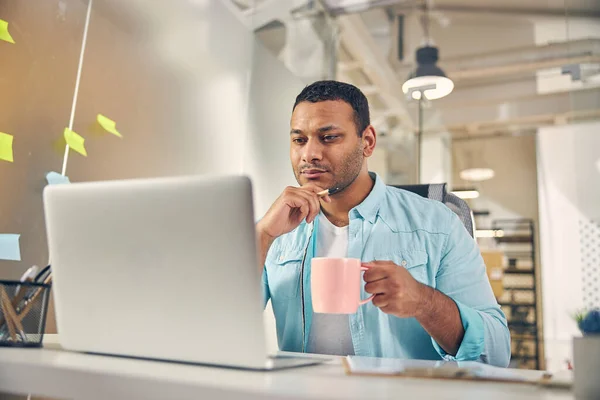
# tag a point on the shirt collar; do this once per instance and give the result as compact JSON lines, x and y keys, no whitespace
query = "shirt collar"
{"x":369,"y":207}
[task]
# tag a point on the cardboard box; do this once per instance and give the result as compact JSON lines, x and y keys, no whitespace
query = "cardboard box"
{"x":494,"y":265}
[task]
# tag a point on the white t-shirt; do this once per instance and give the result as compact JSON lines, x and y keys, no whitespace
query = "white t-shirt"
{"x":330,"y":333}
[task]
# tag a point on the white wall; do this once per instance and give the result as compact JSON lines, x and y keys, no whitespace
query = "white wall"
{"x":273,"y":90}
{"x":198,"y":94}
{"x":234,"y":101}
{"x":378,"y":162}
{"x":436,"y":159}
{"x":569,"y":198}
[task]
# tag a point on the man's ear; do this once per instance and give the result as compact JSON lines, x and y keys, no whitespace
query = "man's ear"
{"x":369,"y":140}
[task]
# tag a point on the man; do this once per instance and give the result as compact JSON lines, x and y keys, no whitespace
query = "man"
{"x":432,"y":296}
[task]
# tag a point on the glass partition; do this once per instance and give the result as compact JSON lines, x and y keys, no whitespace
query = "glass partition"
{"x":569,"y":177}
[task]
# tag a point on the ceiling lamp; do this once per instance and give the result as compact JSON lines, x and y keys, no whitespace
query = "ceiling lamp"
{"x":477,"y":174}
{"x":466,"y":194}
{"x":428,"y":76}
{"x":427,"y":82}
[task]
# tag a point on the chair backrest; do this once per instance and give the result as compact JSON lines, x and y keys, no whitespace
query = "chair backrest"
{"x":439,"y":192}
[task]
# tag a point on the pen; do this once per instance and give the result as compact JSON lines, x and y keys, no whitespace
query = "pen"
{"x":328,"y":192}
{"x":28,"y":276}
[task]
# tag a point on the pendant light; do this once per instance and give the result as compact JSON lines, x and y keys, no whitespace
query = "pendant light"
{"x":476,"y":171}
{"x":427,"y":75}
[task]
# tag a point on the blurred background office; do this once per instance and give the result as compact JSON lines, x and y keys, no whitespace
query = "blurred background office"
{"x":511,"y":123}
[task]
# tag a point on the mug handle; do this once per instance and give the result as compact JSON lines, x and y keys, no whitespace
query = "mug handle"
{"x":365,"y":301}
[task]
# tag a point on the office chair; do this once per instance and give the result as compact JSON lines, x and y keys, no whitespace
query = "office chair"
{"x":439,"y":192}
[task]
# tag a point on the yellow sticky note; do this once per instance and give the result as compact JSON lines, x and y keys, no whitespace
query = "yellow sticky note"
{"x":108,"y":124}
{"x":6,"y":147}
{"x":75,"y":141}
{"x":4,"y":35}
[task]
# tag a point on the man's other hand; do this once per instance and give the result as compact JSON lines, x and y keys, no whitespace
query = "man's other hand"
{"x":396,"y":291}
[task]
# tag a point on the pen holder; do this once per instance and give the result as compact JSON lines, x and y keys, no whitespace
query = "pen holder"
{"x":23,"y":308}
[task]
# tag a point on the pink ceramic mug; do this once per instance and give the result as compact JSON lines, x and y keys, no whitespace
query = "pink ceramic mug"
{"x":335,"y":285}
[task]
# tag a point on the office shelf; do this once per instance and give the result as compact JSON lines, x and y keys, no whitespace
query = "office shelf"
{"x":522,"y":324}
{"x":518,"y":271}
{"x":517,"y":357}
{"x":513,"y":239}
{"x":518,"y":254}
{"x":519,"y":288}
{"x":518,"y":336}
{"x":518,"y":244}
{"x":516,"y":304}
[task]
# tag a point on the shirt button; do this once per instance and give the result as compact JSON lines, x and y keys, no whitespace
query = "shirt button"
{"x":404,"y":263}
{"x":280,"y":258}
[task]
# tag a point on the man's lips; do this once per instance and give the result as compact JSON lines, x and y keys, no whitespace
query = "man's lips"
{"x":313,"y":173}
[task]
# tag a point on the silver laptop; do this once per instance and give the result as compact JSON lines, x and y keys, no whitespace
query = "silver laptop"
{"x":159,"y":268}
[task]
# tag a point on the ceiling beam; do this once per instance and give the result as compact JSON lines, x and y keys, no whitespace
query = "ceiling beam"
{"x":369,"y":90}
{"x":358,"y":42}
{"x":515,"y":126}
{"x":519,"y":68}
{"x":520,"y":12}
{"x":402,"y":6}
{"x":369,"y":5}
{"x":345,"y":66}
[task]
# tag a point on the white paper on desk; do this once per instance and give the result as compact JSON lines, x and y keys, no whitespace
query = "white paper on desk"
{"x":390,"y":366}
{"x":486,"y":371}
{"x":393,"y":366}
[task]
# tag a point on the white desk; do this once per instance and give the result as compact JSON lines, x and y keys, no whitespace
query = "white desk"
{"x":66,"y":375}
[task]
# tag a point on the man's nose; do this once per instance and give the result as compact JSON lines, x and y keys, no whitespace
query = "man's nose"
{"x":312,"y":151}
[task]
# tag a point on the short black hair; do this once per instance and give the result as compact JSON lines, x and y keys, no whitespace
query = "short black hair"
{"x":334,"y":90}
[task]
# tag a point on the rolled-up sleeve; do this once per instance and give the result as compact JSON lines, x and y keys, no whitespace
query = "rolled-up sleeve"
{"x":462,"y":277}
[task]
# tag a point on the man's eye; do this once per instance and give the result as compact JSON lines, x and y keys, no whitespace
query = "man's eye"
{"x":298,"y":140}
{"x":329,"y":138}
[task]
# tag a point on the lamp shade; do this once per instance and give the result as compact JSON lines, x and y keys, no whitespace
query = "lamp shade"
{"x":466,"y":193}
{"x":427,"y":74}
{"x":477,"y":174}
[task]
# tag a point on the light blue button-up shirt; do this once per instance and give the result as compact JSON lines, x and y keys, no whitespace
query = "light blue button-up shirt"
{"x":421,"y":235}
